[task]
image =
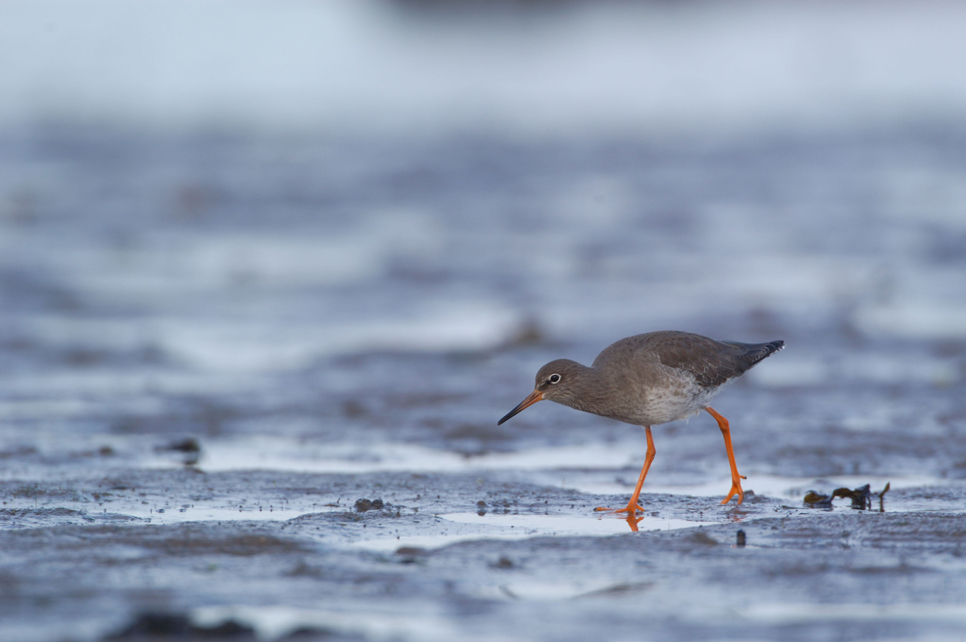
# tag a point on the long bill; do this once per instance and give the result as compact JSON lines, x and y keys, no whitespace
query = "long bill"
{"x":534,"y":397}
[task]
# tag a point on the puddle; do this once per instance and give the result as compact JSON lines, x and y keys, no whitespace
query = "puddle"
{"x":767,"y":485}
{"x":207,"y":514}
{"x":30,"y":516}
{"x":571,"y":525}
{"x":461,"y":527}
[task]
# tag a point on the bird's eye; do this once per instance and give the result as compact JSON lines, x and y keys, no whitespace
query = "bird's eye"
{"x":554,"y":378}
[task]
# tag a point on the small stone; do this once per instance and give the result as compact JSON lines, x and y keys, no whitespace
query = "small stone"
{"x":362,"y":505}
{"x":503,"y":562}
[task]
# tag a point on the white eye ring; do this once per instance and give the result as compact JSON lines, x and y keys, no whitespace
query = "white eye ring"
{"x":554,"y":378}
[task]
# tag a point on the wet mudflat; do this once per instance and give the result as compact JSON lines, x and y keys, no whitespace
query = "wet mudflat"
{"x":213,"y":348}
{"x":535,"y":563}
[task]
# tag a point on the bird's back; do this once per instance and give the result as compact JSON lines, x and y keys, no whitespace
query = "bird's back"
{"x":711,"y":363}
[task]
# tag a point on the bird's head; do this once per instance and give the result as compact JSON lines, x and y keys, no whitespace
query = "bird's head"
{"x":555,"y":381}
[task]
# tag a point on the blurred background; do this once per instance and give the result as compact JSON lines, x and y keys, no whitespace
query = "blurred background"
{"x":337,"y":219}
{"x":291,"y":230}
{"x":248,"y":187}
{"x":205,"y":192}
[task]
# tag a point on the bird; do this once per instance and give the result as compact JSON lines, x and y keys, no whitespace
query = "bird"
{"x":651,"y":379}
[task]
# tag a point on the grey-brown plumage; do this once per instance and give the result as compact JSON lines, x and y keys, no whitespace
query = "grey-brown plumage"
{"x":651,"y":379}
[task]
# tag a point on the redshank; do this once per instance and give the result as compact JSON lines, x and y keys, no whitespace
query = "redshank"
{"x":651,"y":379}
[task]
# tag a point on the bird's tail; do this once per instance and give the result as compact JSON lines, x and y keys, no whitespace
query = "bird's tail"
{"x":758,"y":351}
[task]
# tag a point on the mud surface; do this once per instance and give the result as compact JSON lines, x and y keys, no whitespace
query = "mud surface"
{"x":217,"y":352}
{"x":195,"y":436}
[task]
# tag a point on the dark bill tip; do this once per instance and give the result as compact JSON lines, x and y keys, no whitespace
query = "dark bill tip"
{"x":534,"y":397}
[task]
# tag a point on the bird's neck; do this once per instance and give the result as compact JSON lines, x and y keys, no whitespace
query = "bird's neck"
{"x":591,"y":392}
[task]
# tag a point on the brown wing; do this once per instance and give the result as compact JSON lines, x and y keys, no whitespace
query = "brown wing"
{"x":711,"y":362}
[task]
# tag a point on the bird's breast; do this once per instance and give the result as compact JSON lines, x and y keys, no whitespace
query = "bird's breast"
{"x":671,"y":399}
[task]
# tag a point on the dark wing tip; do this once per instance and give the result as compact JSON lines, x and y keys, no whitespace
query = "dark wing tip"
{"x":766,"y":350}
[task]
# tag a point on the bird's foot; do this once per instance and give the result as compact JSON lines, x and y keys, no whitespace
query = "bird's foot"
{"x":631,"y":509}
{"x":735,"y":490}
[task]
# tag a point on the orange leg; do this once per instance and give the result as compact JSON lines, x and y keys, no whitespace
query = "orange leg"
{"x":735,"y":477}
{"x":633,"y":506}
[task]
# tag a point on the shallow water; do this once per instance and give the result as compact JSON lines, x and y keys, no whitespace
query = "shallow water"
{"x":214,"y":340}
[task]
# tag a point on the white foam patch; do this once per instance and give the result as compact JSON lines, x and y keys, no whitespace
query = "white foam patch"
{"x":260,"y":452}
{"x":236,"y":345}
{"x":164,"y":266}
{"x":472,"y":526}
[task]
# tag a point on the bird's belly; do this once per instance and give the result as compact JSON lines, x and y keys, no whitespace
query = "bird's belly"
{"x":663,"y":405}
